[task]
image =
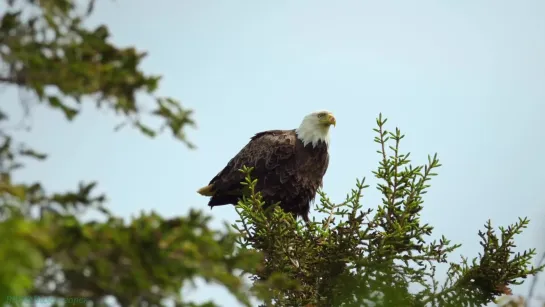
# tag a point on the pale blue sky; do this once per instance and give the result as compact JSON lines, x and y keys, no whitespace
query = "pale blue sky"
{"x":464,"y":79}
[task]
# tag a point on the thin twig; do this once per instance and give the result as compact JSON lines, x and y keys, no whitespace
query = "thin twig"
{"x":534,"y":280}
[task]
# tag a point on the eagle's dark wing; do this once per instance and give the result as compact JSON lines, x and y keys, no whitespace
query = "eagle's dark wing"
{"x":271,"y":154}
{"x":326,"y":165}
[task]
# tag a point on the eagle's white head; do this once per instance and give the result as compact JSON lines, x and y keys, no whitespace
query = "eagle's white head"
{"x":315,"y":127}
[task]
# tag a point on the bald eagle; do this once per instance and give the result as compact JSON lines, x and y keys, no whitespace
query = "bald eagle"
{"x":289,"y":166}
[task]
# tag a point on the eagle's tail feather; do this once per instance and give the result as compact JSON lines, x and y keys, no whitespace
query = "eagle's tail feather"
{"x":207,"y":190}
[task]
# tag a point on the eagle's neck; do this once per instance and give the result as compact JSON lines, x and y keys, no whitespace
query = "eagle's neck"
{"x":313,"y":134}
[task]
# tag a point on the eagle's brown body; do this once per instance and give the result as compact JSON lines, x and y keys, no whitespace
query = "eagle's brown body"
{"x":286,"y":170}
{"x":289,"y":166}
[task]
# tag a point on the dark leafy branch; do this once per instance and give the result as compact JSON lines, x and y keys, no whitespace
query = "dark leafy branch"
{"x":47,"y":51}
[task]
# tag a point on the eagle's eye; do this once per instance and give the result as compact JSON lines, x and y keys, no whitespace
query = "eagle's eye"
{"x":321,"y":115}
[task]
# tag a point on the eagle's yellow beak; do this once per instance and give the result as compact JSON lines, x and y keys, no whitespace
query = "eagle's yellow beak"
{"x":330,"y":120}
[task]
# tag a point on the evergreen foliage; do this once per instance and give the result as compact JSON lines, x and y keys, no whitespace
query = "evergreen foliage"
{"x":357,"y":256}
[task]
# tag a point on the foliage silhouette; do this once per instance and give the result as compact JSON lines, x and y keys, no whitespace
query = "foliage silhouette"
{"x":53,"y":59}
